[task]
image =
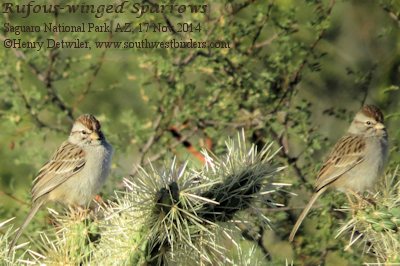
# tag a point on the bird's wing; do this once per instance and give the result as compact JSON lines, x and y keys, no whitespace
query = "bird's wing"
{"x":68,"y":160}
{"x":347,"y":153}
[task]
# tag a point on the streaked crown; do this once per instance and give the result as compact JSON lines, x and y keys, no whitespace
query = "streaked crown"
{"x":373,"y":112}
{"x":89,"y":121}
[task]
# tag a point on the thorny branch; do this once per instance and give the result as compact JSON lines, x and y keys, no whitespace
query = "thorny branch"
{"x":45,"y":77}
{"x":295,"y":78}
{"x":48,"y":81}
{"x":286,"y":99}
{"x":258,"y":45}
{"x":34,"y":115}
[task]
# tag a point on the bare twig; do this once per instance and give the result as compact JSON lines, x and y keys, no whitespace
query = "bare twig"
{"x":14,"y":198}
{"x":266,"y":42}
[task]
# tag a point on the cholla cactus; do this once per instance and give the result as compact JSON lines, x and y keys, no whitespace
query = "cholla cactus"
{"x":242,"y":255}
{"x":173,"y":214}
{"x":376,"y":222}
{"x":4,"y":243}
{"x":10,"y":259}
{"x":76,"y":235}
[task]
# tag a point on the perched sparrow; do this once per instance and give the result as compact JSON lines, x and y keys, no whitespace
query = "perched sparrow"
{"x":76,"y":171}
{"x":356,"y":161}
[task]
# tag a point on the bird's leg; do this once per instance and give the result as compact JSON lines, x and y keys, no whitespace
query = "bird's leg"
{"x":78,"y":212}
{"x":369,"y":198}
{"x":361,"y":199}
{"x":349,"y":198}
{"x":357,"y":204}
{"x":352,"y":204}
{"x":355,"y":194}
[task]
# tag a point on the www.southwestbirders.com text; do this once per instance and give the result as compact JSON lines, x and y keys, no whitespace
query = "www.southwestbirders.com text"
{"x":139,"y":9}
{"x":138,"y":44}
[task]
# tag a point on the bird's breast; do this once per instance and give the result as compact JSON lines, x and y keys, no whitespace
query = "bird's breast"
{"x":97,"y":167}
{"x":80,"y":188}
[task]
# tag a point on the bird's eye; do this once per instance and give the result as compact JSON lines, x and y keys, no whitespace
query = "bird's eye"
{"x":84,"y":132}
{"x":368,"y":123}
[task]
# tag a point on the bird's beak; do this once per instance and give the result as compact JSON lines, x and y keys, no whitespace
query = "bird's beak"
{"x":379,"y":126}
{"x":94,"y":136}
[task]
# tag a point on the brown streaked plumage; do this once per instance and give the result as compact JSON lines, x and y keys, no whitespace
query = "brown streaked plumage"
{"x":356,"y":160}
{"x":75,"y":172}
{"x":66,"y":161}
{"x":346,"y":154}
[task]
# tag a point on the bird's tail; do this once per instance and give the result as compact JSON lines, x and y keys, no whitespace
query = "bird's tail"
{"x":304,"y":212}
{"x":32,"y":212}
